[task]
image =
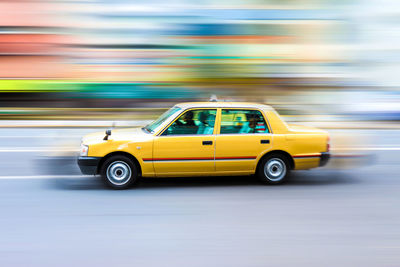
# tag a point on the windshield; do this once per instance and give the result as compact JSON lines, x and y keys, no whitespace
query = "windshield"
{"x":152,"y":126}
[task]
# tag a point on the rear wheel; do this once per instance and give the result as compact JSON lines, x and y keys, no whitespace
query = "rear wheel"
{"x":119,"y":172}
{"x":274,"y":169}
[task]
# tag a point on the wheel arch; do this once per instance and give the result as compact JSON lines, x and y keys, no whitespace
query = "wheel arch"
{"x":120,"y":153}
{"x":284,"y":153}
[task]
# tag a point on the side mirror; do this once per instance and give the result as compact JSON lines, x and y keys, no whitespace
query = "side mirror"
{"x":108,"y":133}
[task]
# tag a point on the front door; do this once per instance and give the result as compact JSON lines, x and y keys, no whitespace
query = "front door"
{"x":187,"y":146}
{"x":243,"y":136}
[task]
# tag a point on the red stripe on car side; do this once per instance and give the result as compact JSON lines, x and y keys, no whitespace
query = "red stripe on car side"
{"x":222,"y":158}
{"x":308,"y":156}
{"x":251,"y":157}
{"x":155,"y":159}
{"x":198,"y":158}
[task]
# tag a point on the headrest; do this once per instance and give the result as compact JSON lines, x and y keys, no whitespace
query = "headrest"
{"x":211,"y":119}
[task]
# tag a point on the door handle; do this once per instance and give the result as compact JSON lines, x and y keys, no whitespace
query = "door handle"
{"x":264,"y":141}
{"x":207,"y":143}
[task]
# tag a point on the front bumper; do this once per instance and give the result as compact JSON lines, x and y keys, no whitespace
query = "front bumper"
{"x":325,"y":156}
{"x":89,"y":165}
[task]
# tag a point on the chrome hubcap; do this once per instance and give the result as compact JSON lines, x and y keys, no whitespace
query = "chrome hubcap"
{"x":275,"y":169}
{"x":119,"y":173}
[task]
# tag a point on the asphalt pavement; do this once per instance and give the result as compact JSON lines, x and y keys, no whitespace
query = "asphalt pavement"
{"x":322,"y":217}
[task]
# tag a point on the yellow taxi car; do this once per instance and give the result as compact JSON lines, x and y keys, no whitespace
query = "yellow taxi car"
{"x":205,"y":139}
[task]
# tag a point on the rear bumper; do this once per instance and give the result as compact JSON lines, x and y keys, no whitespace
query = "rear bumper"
{"x":88,"y":165}
{"x":325,"y":156}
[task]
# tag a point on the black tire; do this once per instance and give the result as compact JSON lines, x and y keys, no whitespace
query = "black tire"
{"x":274,"y":169}
{"x":119,"y":172}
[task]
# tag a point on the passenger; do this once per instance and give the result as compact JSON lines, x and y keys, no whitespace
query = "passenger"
{"x":249,"y":126}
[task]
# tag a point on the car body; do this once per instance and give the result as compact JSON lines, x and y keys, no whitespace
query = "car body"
{"x":206,"y":139}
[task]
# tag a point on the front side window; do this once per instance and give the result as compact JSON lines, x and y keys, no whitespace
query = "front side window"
{"x":199,"y":121}
{"x":238,"y":121}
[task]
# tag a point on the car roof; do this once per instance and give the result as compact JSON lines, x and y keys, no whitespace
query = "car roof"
{"x":221,"y":104}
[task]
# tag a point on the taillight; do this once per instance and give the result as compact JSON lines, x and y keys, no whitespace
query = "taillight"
{"x":328,"y":146}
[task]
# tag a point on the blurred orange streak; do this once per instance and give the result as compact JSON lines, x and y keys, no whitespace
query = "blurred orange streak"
{"x":32,"y":67}
{"x":32,"y":38}
{"x":30,"y":43}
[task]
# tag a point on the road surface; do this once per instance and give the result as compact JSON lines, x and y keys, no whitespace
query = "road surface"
{"x":323,"y":217}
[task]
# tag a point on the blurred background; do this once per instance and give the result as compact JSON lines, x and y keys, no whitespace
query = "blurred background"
{"x":70,"y":67}
{"x":124,"y":60}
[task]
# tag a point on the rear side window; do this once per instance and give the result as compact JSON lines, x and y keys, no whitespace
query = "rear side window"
{"x":241,"y":121}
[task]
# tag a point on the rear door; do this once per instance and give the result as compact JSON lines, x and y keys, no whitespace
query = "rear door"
{"x":243,"y":135}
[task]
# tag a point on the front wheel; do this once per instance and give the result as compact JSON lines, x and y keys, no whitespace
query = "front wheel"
{"x":274,"y":169}
{"x":119,"y":172}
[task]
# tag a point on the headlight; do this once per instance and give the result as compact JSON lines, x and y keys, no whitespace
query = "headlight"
{"x":84,"y":150}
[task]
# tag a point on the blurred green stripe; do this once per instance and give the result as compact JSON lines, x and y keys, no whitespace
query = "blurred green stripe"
{"x":98,"y":90}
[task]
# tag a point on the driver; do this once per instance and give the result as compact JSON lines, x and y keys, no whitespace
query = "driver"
{"x":188,"y":126}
